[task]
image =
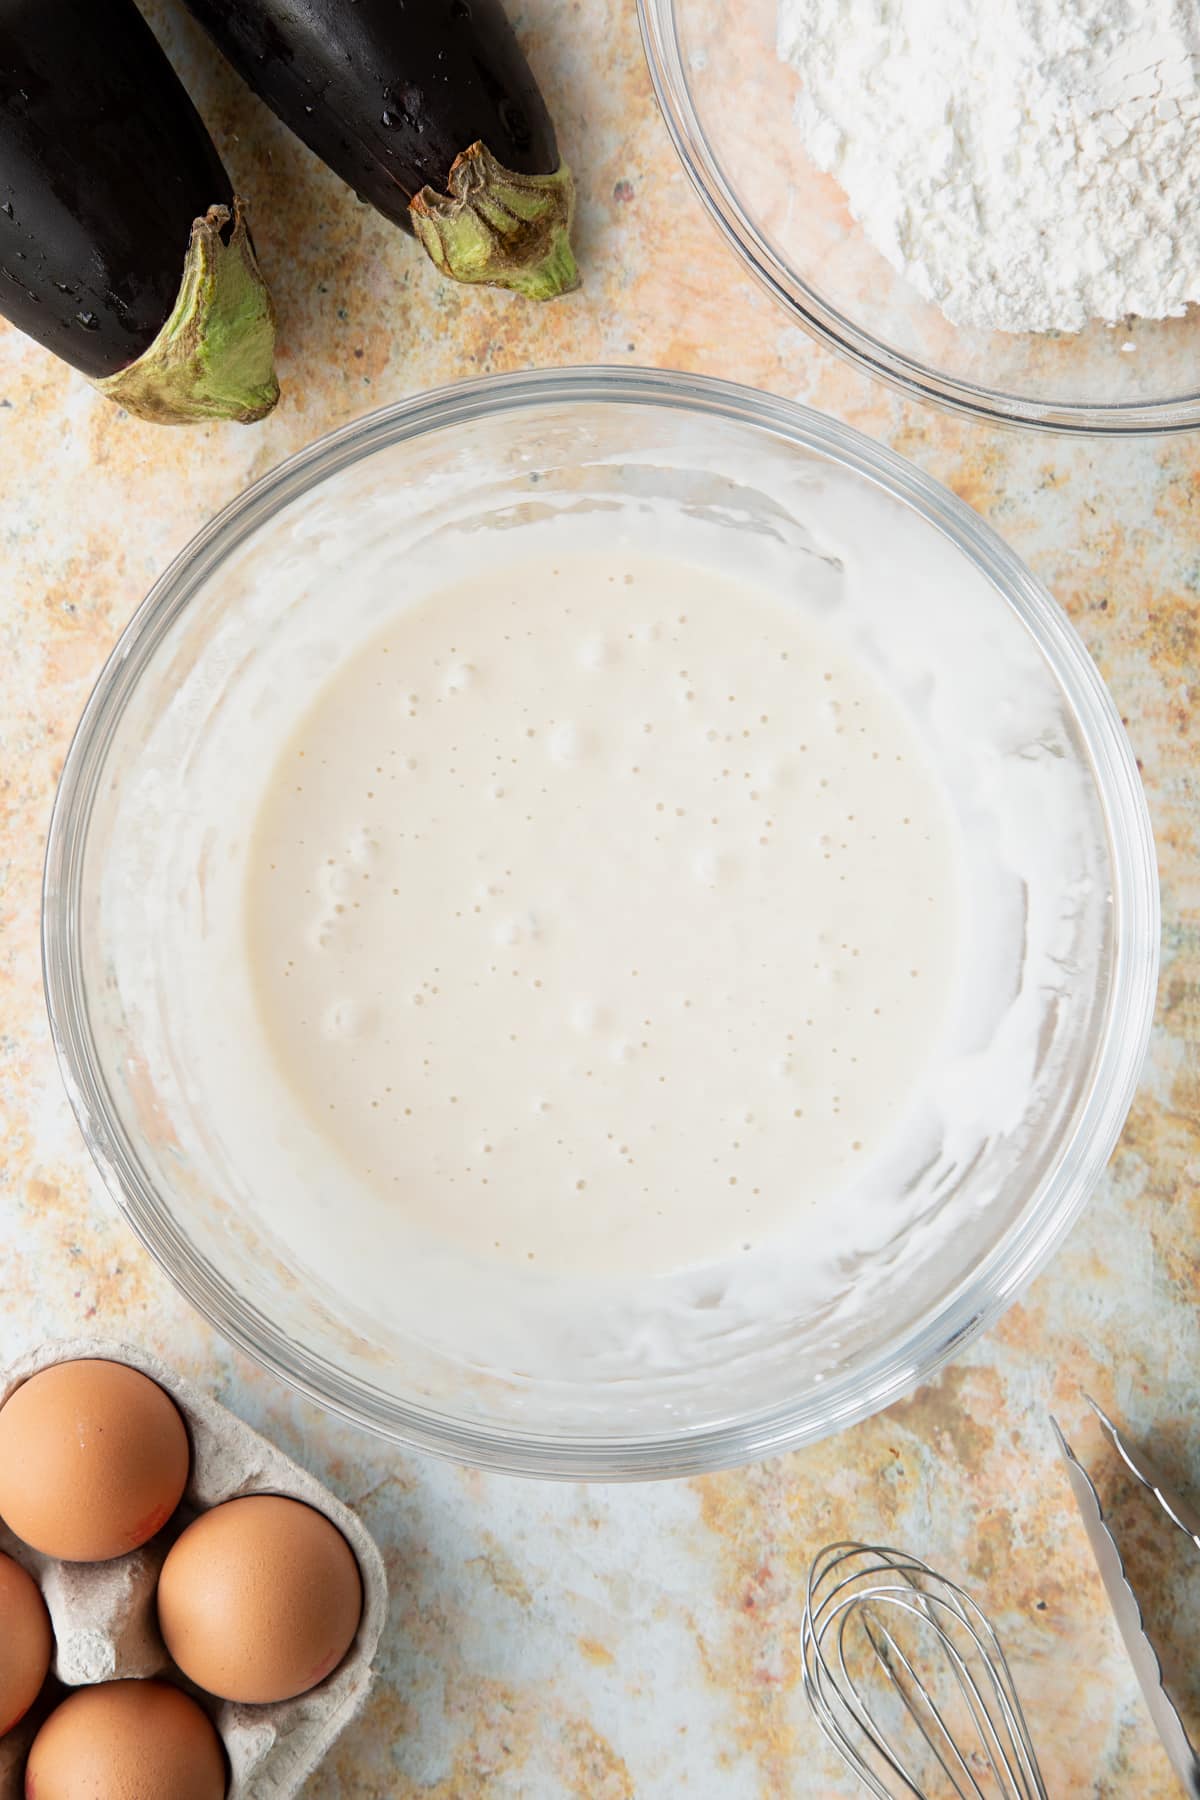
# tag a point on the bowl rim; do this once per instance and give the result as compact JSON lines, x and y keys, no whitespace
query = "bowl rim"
{"x":961,"y":1314}
{"x":904,"y":374}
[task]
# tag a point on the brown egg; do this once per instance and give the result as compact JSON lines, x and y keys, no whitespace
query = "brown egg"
{"x":93,"y":1460}
{"x":259,"y":1599}
{"x":26,"y":1642}
{"x":126,"y":1740}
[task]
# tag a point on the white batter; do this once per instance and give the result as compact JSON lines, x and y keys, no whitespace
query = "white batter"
{"x":605,"y":918}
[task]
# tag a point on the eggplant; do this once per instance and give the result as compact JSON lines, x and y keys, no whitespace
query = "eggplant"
{"x":430,"y":112}
{"x":123,"y":248}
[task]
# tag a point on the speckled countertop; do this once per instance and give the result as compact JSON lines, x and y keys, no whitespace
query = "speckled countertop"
{"x":640,"y":1641}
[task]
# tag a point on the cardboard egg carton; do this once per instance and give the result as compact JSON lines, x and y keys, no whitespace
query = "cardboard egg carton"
{"x":105,"y":1614}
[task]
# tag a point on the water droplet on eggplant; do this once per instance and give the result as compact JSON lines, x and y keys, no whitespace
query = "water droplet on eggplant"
{"x":515,"y":123}
{"x":404,"y":106}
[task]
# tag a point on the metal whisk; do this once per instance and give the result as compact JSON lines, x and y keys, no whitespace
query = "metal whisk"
{"x":908,"y":1680}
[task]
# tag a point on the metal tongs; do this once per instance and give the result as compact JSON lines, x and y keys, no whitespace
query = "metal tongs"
{"x":1124,"y":1602}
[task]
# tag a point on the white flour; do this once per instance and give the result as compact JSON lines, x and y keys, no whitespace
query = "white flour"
{"x":1027,"y":164}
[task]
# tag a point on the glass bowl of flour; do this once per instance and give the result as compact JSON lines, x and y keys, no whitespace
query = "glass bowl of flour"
{"x":600,"y":923}
{"x":996,"y":209}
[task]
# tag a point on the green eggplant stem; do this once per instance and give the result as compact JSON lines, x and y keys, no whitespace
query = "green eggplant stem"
{"x":500,"y":228}
{"x":215,"y":356}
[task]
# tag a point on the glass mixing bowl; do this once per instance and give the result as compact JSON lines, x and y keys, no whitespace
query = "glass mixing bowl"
{"x":141,"y":904}
{"x":728,"y":103}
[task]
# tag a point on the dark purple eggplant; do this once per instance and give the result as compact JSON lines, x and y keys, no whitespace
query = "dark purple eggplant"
{"x":122,"y":246}
{"x":429,"y":110}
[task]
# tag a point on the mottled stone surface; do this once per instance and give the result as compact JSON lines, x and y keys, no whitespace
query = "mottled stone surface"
{"x":549,"y":1640}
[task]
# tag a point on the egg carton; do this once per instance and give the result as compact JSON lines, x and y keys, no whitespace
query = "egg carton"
{"x":105,"y":1616}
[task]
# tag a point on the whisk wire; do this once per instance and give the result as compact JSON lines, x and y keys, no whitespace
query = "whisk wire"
{"x":890,"y":1654}
{"x":816,"y":1687}
{"x":1000,"y":1737}
{"x":1020,"y":1762}
{"x":918,"y":1703}
{"x":864,"y":1587}
{"x":859,"y":1706}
